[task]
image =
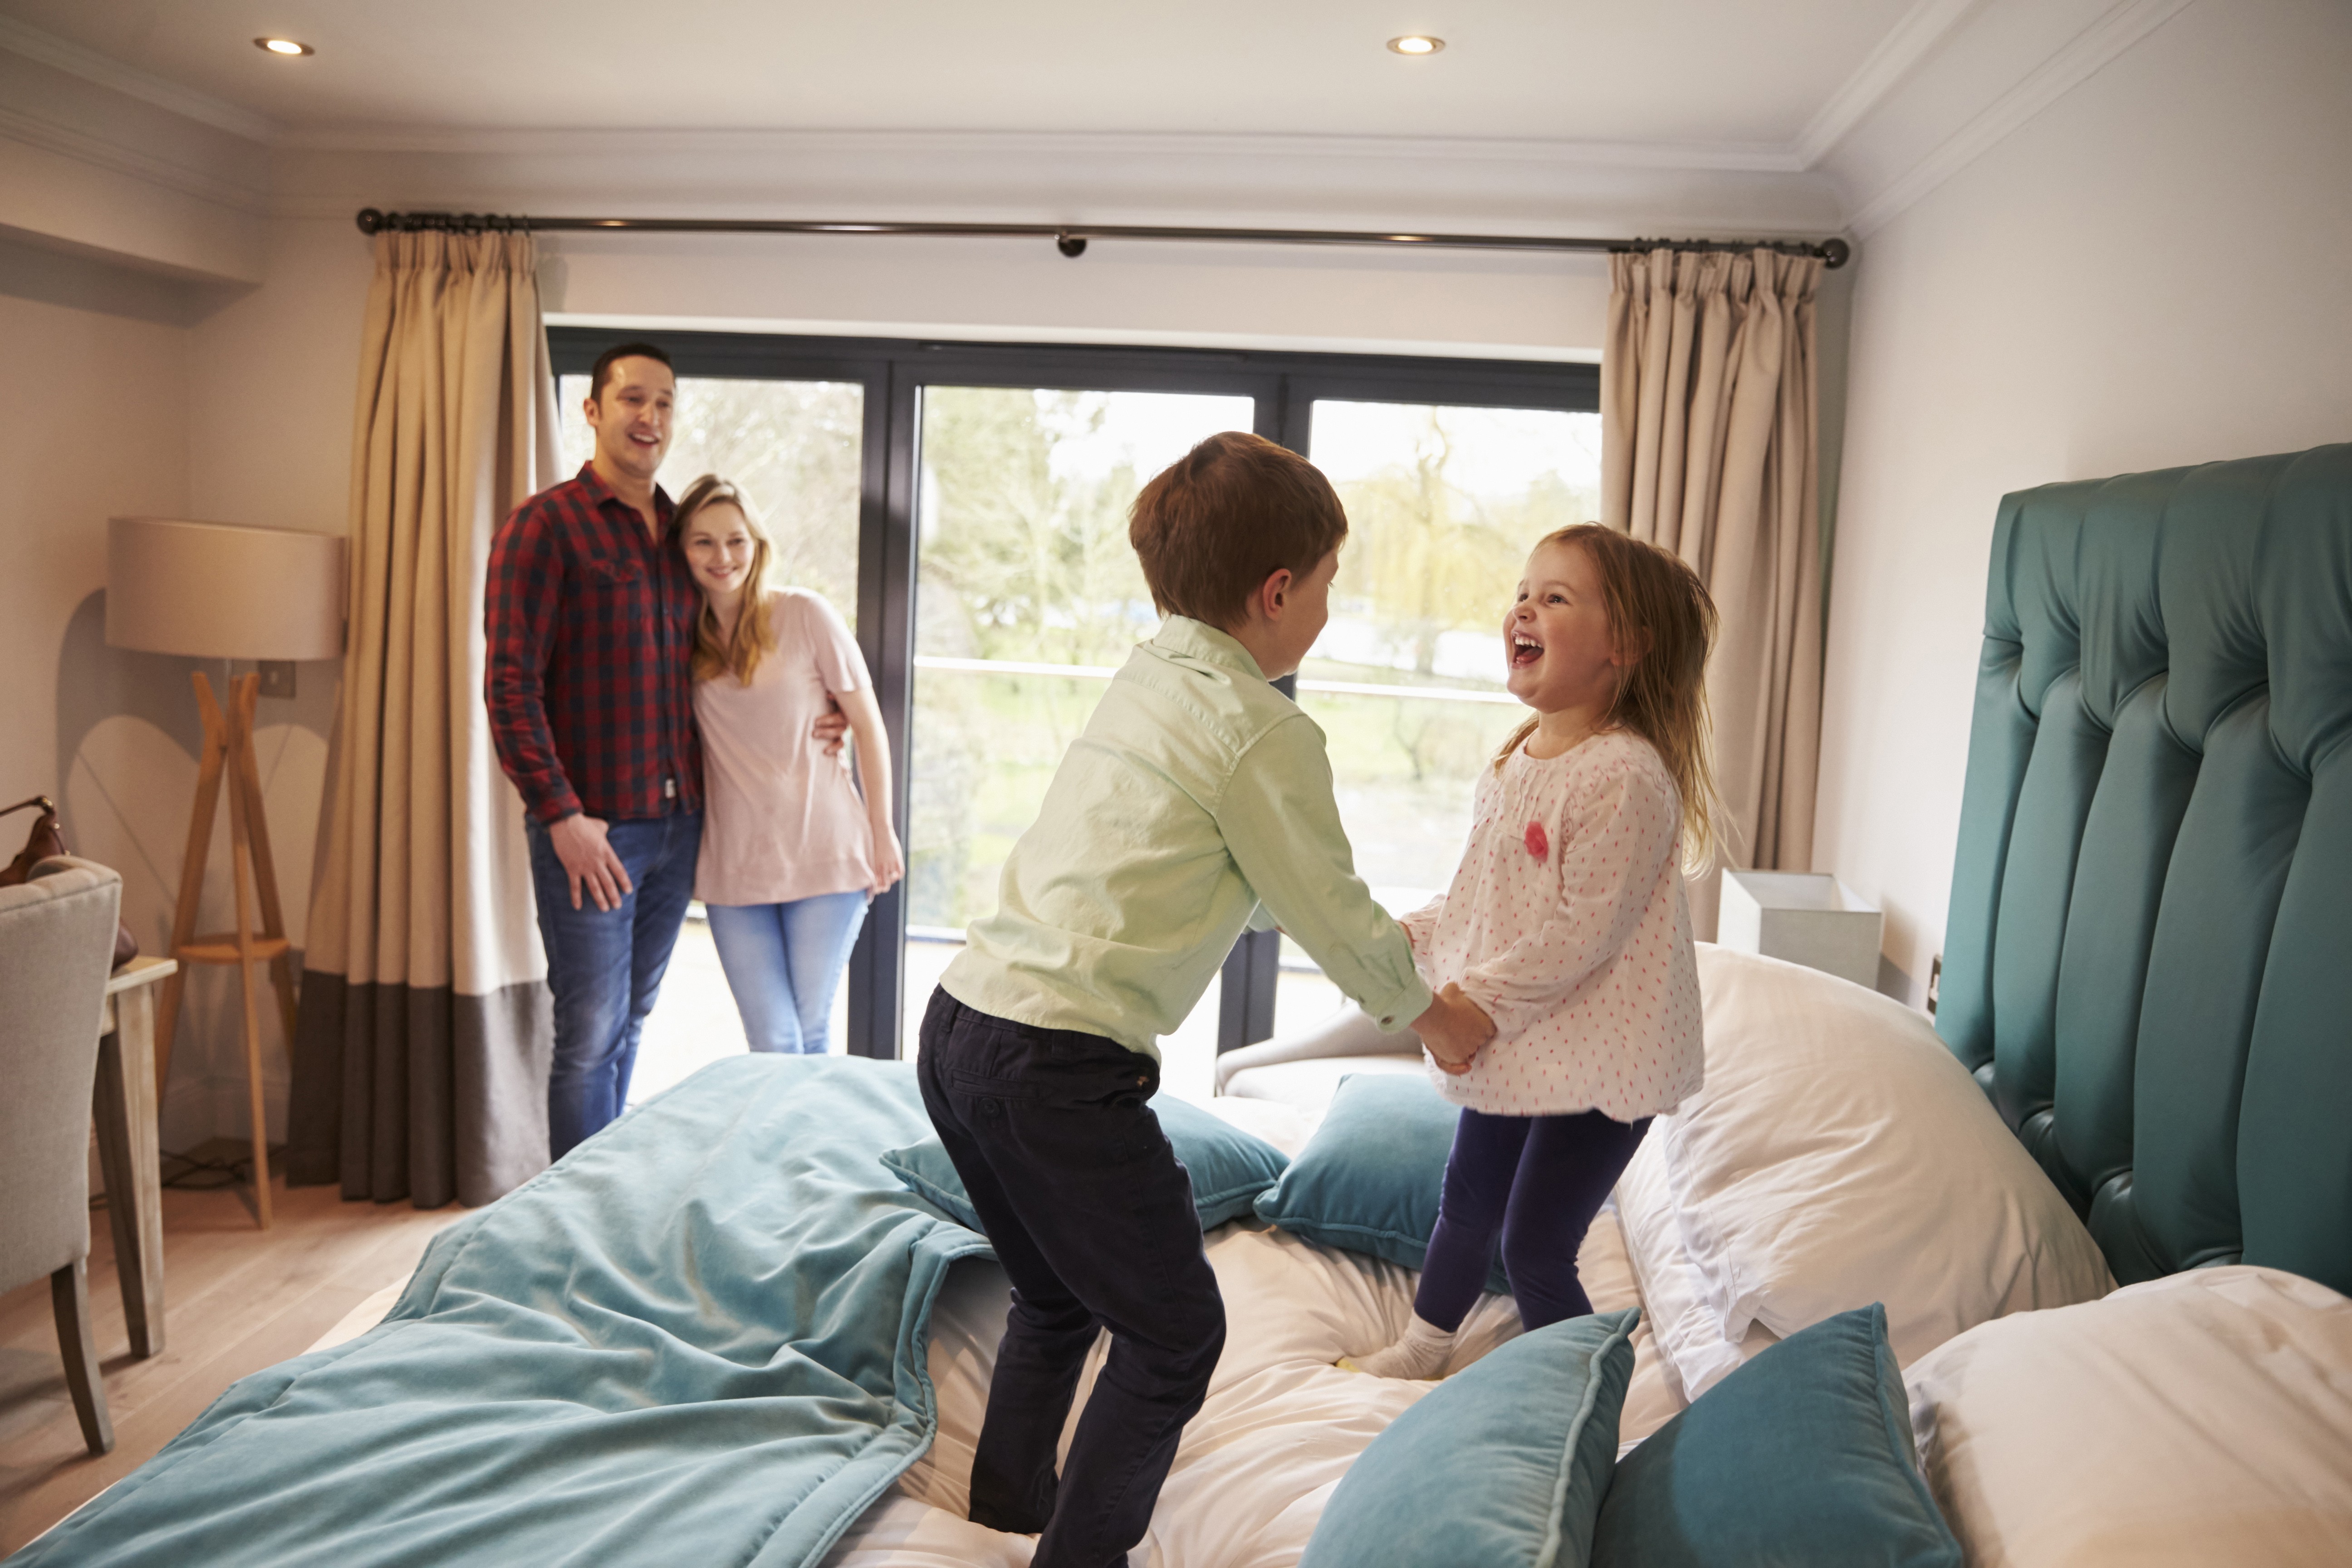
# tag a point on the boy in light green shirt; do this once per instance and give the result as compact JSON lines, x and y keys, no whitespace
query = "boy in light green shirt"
{"x":1197,"y":796}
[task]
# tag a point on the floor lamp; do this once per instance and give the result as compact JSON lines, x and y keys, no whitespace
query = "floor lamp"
{"x":216,"y":590}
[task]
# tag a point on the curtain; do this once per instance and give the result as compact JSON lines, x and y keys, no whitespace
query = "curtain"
{"x":420,"y":1059}
{"x":1710,"y":447}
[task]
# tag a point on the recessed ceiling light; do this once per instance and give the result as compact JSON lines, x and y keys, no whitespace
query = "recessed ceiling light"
{"x":283,"y":46}
{"x":1416,"y":44}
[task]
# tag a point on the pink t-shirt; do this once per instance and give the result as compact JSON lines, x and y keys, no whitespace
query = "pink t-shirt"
{"x":1566,"y":923}
{"x":782,"y":820}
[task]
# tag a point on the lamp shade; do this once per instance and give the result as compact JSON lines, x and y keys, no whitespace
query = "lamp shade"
{"x":222,"y":590}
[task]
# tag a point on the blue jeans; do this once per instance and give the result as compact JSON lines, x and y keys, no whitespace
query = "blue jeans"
{"x":605,"y":967}
{"x":784,"y":962}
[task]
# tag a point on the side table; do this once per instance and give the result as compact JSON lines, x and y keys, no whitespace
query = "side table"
{"x":128,"y":1146}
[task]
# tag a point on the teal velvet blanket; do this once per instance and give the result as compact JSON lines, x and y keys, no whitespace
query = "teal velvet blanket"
{"x":699,"y":1339}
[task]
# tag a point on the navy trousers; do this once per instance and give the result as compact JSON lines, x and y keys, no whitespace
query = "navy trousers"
{"x":1537,"y":1181}
{"x":1091,"y":1215}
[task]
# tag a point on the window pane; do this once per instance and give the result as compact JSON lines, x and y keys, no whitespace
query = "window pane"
{"x":792,"y":445}
{"x":1025,"y":572}
{"x":1443,"y":504}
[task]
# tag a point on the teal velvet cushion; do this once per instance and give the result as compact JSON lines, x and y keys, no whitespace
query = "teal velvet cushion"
{"x":1501,"y":1465}
{"x":1229,"y":1167}
{"x":1369,"y":1180}
{"x":1801,"y":1458}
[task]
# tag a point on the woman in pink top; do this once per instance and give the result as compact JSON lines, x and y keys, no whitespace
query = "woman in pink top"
{"x":791,"y":851}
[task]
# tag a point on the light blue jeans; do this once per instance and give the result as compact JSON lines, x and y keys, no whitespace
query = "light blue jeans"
{"x":784,"y":962}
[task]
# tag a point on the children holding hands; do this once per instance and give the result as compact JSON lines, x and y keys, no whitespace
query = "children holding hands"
{"x":1567,"y":926}
{"x":1198,"y":800}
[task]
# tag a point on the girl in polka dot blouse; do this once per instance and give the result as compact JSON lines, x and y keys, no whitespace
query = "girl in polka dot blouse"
{"x":1567,"y":926}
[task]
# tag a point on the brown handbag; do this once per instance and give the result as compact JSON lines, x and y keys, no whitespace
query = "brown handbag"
{"x":47,"y":839}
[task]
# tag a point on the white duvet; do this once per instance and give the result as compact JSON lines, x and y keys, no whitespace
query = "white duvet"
{"x":1281,"y":1423}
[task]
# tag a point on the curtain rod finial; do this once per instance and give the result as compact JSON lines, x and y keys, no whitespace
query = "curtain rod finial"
{"x":1835,"y":253}
{"x":370,"y":220}
{"x":1070,"y":245}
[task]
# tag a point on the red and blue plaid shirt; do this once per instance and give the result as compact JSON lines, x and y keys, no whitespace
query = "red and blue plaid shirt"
{"x":591,"y":629}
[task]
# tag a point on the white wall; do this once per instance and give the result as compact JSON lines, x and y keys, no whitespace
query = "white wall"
{"x":127,"y":392}
{"x":93,"y":400}
{"x":1454,"y":302}
{"x":2151,"y":272}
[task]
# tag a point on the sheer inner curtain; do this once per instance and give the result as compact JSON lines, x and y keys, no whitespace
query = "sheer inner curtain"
{"x":420,"y":1062}
{"x":1710,"y":447}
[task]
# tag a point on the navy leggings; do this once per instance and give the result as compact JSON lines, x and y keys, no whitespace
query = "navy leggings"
{"x":1537,"y":1181}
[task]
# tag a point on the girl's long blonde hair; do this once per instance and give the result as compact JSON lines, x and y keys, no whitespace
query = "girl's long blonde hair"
{"x":738,"y":654}
{"x":1659,"y":611}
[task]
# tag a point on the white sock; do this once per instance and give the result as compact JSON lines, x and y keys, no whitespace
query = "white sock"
{"x":1422,"y":1354}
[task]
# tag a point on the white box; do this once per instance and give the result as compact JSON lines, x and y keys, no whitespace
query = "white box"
{"x":1805,"y":917}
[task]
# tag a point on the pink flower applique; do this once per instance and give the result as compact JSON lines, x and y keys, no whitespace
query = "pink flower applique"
{"x":1537,"y":845}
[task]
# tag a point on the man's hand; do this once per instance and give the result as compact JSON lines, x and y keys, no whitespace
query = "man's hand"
{"x":588,"y":860}
{"x":1454,"y":1029}
{"x":831,"y":726}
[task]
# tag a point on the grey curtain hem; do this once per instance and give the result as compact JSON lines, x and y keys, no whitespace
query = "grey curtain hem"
{"x":418,"y":1093}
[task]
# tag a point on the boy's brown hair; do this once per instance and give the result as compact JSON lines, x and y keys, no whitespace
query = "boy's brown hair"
{"x":1218,"y":521}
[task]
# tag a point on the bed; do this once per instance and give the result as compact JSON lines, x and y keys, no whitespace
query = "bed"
{"x":2092,"y":1229}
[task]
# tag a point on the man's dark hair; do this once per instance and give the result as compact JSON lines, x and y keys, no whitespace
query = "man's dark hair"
{"x":603,"y":371}
{"x":1221,"y":520}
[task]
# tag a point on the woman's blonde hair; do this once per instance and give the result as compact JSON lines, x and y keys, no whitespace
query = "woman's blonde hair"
{"x":1659,"y":612}
{"x":738,"y":654}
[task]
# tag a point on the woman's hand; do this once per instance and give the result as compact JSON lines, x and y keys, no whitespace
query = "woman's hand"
{"x":889,"y":860}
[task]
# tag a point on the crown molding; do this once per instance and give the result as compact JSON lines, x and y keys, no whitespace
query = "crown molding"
{"x":54,"y":137}
{"x":2116,"y":30}
{"x":1919,"y":35}
{"x":1733,"y":157}
{"x":92,"y":67}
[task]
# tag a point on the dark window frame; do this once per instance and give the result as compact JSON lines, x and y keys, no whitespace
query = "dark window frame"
{"x":893,"y":370}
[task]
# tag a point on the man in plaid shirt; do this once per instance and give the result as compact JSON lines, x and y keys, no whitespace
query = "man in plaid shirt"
{"x":590,"y":615}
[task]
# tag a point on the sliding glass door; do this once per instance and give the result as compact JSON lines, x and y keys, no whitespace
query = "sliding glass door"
{"x":965,"y":506}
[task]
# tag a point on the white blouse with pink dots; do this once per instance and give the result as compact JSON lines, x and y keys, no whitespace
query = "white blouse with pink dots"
{"x":1568,"y":923}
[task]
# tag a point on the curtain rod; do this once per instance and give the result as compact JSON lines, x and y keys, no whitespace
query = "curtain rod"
{"x":1070,"y":239}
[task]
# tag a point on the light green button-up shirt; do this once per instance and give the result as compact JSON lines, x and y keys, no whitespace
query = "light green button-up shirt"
{"x":1196,"y":794}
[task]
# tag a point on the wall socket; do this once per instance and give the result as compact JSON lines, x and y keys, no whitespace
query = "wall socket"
{"x":277,"y":677}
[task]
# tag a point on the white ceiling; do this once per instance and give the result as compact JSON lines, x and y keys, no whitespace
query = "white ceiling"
{"x":1707,"y":76}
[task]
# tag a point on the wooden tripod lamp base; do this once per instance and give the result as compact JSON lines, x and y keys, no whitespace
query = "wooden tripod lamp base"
{"x":259,"y":937}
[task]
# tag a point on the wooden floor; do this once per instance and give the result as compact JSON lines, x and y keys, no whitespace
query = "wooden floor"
{"x":237,"y":1299}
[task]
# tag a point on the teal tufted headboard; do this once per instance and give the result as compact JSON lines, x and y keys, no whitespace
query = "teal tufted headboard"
{"x":2149,"y":958}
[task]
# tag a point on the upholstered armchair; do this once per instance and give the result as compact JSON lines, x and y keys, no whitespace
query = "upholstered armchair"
{"x":56,"y":943}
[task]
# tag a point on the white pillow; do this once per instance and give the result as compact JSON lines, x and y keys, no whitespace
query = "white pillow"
{"x":2199,"y":1419}
{"x":1838,"y":1155}
{"x":1693,"y":1354}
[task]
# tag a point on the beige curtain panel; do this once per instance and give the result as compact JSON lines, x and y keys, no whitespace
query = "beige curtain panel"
{"x":420,"y":1064}
{"x":1710,"y":447}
